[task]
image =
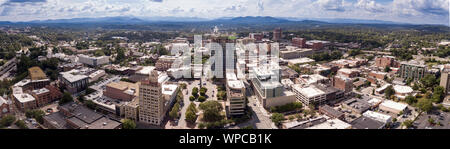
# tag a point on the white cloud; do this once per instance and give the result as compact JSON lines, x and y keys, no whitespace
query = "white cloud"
{"x":370,"y":5}
{"x":412,"y":11}
{"x":331,"y":5}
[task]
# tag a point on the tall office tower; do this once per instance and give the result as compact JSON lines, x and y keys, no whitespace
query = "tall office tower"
{"x":151,"y":101}
{"x":445,"y":79}
{"x":226,"y":56}
{"x":277,"y":34}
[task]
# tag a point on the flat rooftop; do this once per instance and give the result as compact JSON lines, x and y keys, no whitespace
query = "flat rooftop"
{"x":366,"y":123}
{"x":377,"y":116}
{"x":23,"y":98}
{"x":309,"y":91}
{"x":394,"y":105}
{"x":40,"y":91}
{"x":73,"y":75}
{"x":169,"y":89}
{"x":146,"y":70}
{"x":300,"y":60}
{"x":332,"y":124}
{"x":36,"y":73}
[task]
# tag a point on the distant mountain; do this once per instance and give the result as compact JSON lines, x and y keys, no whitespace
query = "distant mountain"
{"x":250,"y":20}
{"x":125,"y":20}
{"x":345,"y":21}
{"x":233,"y":20}
{"x":358,"y":21}
{"x":174,"y":19}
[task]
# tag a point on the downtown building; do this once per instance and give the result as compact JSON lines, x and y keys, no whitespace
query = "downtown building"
{"x":413,"y":70}
{"x":93,"y":61}
{"x":74,"y":81}
{"x":266,"y":83}
{"x":445,"y":79}
{"x":317,"y":94}
{"x":236,"y":103}
{"x":151,"y":102}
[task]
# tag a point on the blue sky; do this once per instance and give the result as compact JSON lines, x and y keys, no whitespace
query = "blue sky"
{"x":409,"y":11}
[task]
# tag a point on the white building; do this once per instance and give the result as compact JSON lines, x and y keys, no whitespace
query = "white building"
{"x":309,"y":94}
{"x":402,"y":91}
{"x":96,"y":75}
{"x":93,"y":61}
{"x":378,"y":116}
{"x":24,"y":101}
{"x":394,"y":107}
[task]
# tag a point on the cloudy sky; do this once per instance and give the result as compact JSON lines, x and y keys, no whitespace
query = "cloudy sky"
{"x":409,"y":11}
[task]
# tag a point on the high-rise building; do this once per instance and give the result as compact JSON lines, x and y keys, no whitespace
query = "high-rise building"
{"x":277,"y":33}
{"x":445,"y":78}
{"x":151,"y":101}
{"x":227,"y":53}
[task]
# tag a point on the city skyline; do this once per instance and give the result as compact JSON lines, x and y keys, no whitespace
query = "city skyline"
{"x":403,"y":11}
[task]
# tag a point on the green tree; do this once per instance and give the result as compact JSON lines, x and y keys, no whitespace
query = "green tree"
{"x":173,"y":113}
{"x":291,"y":117}
{"x":407,"y":123}
{"x":195,"y":92}
{"x":277,"y":118}
{"x":415,"y":87}
{"x":128,"y":124}
{"x":192,"y":98}
{"x":191,"y":111}
{"x":36,"y":114}
{"x":388,"y":92}
{"x":183,"y":85}
{"x":211,"y":111}
{"x":425,"y":104}
{"x":67,"y":97}
{"x":203,"y":91}
{"x":202,"y":99}
{"x":387,"y":69}
{"x":428,"y":81}
{"x":411,"y":100}
{"x":221,"y":95}
{"x":438,"y":94}
{"x":7,"y":120}
{"x":191,"y":117}
{"x":21,"y":124}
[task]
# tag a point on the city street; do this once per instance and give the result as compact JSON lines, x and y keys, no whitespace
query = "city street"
{"x":182,"y":124}
{"x":260,"y":117}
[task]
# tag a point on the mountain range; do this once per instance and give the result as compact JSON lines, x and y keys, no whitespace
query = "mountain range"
{"x":239,"y":20}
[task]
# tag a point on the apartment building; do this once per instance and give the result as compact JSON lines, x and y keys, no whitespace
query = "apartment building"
{"x":46,"y":95}
{"x":413,"y":70}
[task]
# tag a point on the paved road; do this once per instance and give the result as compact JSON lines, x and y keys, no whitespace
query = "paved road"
{"x":260,"y":117}
{"x":6,"y":68}
{"x":182,"y":124}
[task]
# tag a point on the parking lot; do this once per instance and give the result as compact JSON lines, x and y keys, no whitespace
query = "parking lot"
{"x":441,"y":118}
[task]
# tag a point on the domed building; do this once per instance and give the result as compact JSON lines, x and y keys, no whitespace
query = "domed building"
{"x":402,"y":91}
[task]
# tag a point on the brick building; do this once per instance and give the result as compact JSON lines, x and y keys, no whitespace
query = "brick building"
{"x":299,"y":42}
